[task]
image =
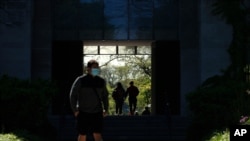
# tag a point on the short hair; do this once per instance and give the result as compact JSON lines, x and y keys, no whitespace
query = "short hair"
{"x":131,"y":82}
{"x":119,"y":84}
{"x":91,"y":63}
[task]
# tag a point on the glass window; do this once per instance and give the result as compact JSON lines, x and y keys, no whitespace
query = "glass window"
{"x":126,"y":49}
{"x":115,"y":49}
{"x":90,"y":50}
{"x":143,"y":50}
{"x":107,"y":49}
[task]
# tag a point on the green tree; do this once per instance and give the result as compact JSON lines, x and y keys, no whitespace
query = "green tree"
{"x":134,"y":67}
{"x":221,"y":100}
{"x":235,"y":13}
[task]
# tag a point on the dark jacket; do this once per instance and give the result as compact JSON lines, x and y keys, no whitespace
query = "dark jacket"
{"x":83,"y":97}
{"x":119,"y":94}
{"x":132,"y":92}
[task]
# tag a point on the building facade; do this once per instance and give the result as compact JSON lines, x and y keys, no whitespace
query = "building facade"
{"x":45,"y":38}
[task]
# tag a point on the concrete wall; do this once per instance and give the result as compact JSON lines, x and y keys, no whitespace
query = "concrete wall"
{"x":15,"y":41}
{"x":41,"y":39}
{"x":26,"y":37}
{"x":189,"y":39}
{"x":204,"y":40}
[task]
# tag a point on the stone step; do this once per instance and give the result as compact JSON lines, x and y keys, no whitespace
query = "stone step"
{"x":123,"y":128}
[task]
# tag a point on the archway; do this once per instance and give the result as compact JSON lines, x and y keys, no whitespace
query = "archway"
{"x":67,"y":64}
{"x":123,"y":61}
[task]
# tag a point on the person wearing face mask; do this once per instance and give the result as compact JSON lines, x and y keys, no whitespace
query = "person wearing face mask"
{"x":89,"y":102}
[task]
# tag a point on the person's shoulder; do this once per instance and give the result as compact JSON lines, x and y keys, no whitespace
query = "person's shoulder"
{"x":81,"y":77}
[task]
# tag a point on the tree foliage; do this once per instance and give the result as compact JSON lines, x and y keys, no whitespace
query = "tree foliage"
{"x":134,"y":67}
{"x":235,"y":13}
{"x":221,"y":100}
{"x":25,"y":104}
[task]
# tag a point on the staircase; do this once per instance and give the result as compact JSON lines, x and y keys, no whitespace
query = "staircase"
{"x":126,"y":128}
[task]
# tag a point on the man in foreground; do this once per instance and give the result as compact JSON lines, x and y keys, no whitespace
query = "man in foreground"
{"x":89,"y":102}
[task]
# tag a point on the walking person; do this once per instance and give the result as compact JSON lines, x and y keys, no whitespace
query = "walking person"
{"x":132,"y":93}
{"x":119,"y":97}
{"x":89,"y":102}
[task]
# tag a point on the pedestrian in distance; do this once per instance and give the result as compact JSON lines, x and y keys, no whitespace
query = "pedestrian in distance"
{"x":146,"y":111}
{"x":119,"y":96}
{"x":132,"y":92}
{"x":89,"y":102}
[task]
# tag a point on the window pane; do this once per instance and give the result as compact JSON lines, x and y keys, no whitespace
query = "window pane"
{"x":90,"y":19}
{"x":140,"y":19}
{"x":90,"y":50}
{"x":143,"y":50}
{"x":107,"y":49}
{"x":126,"y":50}
{"x":116,"y":16}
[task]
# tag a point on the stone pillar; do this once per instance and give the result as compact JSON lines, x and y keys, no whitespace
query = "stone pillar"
{"x":166,"y":77}
{"x":15,"y":33}
{"x":67,"y":64}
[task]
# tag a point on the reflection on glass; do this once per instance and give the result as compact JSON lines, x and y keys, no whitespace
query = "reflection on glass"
{"x":90,"y":50}
{"x":107,"y":49}
{"x":116,"y":14}
{"x":140,"y":19}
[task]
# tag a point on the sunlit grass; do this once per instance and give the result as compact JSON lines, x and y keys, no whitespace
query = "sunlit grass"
{"x":225,"y":135}
{"x":221,"y":136}
{"x":10,"y":137}
{"x":19,"y":135}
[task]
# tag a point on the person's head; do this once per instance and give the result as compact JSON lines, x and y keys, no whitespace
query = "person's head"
{"x":147,"y":108}
{"x":131,"y":83}
{"x":93,"y":68}
{"x":119,"y":84}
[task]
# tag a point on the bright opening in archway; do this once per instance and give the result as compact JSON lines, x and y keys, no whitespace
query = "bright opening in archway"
{"x":123,"y":62}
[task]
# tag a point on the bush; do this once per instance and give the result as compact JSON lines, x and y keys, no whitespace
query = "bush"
{"x":217,"y":104}
{"x":25,"y":103}
{"x":20,"y":135}
{"x":220,"y":136}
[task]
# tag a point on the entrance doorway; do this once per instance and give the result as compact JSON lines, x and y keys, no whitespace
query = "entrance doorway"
{"x":123,"y":61}
{"x":68,"y":58}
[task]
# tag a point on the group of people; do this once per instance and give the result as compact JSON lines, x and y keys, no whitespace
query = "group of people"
{"x":89,"y":101}
{"x":119,"y":95}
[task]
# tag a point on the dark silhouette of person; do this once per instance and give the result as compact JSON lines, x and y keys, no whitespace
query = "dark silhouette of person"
{"x":89,"y":102}
{"x":119,"y":97}
{"x":132,"y":93}
{"x":146,"y":111}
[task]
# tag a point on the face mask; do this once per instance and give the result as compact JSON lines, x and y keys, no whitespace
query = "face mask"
{"x":95,"y":71}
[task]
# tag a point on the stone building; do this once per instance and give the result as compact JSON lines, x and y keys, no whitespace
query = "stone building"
{"x":45,"y":38}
